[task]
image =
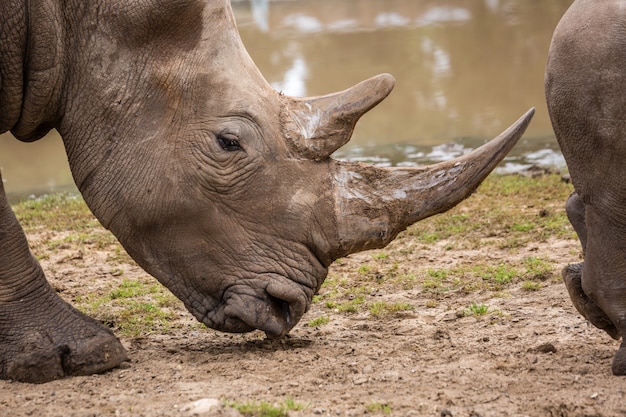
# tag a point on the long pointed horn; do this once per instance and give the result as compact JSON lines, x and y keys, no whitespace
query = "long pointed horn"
{"x":374,"y":204}
{"x":318,"y":126}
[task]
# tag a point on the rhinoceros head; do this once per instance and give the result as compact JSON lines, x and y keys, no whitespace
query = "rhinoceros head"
{"x":216,"y":184}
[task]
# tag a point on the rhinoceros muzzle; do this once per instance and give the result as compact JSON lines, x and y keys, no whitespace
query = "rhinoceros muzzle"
{"x":271,"y":303}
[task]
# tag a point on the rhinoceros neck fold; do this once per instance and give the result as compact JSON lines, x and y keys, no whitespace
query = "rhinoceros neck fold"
{"x":13,"y":32}
{"x":31,"y":90}
{"x":374,"y":204}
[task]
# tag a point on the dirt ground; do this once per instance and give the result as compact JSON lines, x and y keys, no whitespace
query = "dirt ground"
{"x":537,"y":357}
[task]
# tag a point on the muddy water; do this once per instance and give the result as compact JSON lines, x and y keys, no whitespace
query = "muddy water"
{"x":465,"y":70}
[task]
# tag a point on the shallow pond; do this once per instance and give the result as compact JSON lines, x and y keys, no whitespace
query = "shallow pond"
{"x":465,"y":70}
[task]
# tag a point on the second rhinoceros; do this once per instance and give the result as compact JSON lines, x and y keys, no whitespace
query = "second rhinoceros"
{"x":217,"y":185}
{"x":585,"y":89}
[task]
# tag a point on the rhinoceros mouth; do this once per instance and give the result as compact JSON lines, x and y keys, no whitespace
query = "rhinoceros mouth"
{"x":271,"y":303}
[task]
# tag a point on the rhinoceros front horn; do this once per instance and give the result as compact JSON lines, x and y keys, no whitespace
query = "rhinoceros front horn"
{"x":315,"y":127}
{"x":373,"y":205}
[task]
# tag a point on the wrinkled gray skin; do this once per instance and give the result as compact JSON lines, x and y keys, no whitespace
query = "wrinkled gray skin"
{"x":217,"y":185}
{"x":586,"y":94}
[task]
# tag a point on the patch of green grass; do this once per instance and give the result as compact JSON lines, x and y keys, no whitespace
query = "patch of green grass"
{"x":364,"y":269}
{"x":319,"y":321}
{"x":378,"y":408}
{"x":501,"y":274}
{"x":68,"y":214}
{"x":380,"y":256}
{"x":507,"y":211}
{"x":406,"y":281}
{"x":439,"y":274}
{"x":523,"y":227}
{"x":531,"y":286}
{"x":116,"y":272}
{"x":138,"y":318}
{"x":434,"y":286}
{"x":380,"y":308}
{"x":128,"y":289}
{"x":100,"y":239}
{"x":265,"y":409}
{"x":351,"y":306}
{"x":497,"y":276}
{"x":427,"y":237}
{"x":512,"y":242}
{"x":537,"y":269}
{"x":57,"y":212}
{"x":133,"y":308}
{"x":475,"y":309}
{"x":435,"y":280}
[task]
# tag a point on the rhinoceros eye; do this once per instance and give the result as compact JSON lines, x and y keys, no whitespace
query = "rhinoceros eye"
{"x":229,"y":142}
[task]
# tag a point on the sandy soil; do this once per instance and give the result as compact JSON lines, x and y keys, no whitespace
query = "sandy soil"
{"x":537,"y":357}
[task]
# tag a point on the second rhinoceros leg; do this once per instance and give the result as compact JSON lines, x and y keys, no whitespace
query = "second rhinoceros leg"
{"x":573,"y":278}
{"x":572,"y":274}
{"x":41,"y":336}
{"x":575,"y":209}
{"x":619,"y":360}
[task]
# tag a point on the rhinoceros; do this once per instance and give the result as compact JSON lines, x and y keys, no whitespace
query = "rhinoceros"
{"x":216,"y":184}
{"x":585,"y":86}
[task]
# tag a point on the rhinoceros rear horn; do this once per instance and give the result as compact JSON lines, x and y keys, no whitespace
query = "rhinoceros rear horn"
{"x":317,"y":126}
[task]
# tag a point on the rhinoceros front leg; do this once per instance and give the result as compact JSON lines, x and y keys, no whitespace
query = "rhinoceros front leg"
{"x":41,"y":336}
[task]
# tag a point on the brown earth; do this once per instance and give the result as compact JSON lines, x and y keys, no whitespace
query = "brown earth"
{"x":532,"y":356}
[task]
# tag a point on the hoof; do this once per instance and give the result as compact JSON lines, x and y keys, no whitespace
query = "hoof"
{"x":572,"y":277}
{"x":42,"y":337}
{"x":619,"y":361}
{"x":41,"y":359}
{"x":54,"y":340}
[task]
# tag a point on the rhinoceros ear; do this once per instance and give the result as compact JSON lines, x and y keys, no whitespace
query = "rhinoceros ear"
{"x":315,"y":127}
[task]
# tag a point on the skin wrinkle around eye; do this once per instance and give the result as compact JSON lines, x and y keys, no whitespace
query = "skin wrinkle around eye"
{"x":227,"y":168}
{"x":233,"y":169}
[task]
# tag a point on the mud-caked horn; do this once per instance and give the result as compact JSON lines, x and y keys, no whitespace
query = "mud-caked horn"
{"x":315,"y":127}
{"x":373,"y":204}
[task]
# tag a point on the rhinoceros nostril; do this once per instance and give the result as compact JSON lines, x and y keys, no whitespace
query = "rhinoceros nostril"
{"x":281,"y":309}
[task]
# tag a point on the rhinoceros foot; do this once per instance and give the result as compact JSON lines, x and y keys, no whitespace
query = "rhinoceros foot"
{"x":44,"y":338}
{"x":572,"y":276}
{"x":619,"y":361}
